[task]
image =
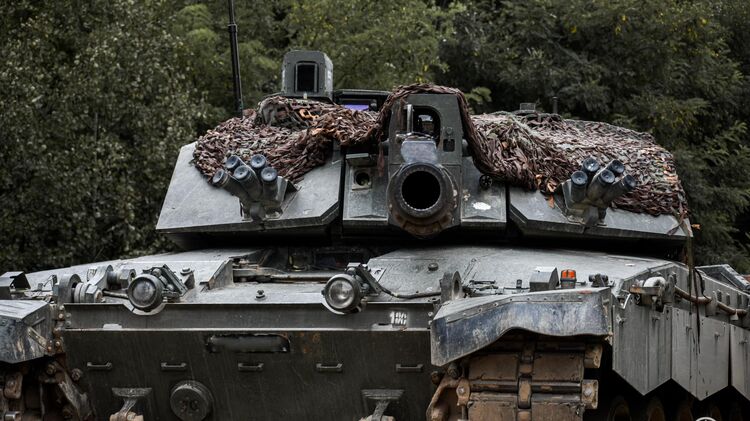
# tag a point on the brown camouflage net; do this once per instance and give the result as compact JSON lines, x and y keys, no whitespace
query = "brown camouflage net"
{"x":295,"y":135}
{"x":540,"y":151}
{"x":534,"y":151}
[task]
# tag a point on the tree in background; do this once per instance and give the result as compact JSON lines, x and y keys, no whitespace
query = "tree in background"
{"x":734,"y":15}
{"x":203,"y":29}
{"x":93,"y":111}
{"x":657,"y":66}
{"x":98,"y":96}
{"x":373,"y":45}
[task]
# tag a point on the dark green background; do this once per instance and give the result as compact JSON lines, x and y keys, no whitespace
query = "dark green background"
{"x":97,"y":96}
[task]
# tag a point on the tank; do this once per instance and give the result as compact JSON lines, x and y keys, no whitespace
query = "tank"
{"x":356,"y":254}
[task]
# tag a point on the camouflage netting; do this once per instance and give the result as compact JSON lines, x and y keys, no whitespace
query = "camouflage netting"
{"x":542,"y":150}
{"x":295,"y":135}
{"x":535,"y":151}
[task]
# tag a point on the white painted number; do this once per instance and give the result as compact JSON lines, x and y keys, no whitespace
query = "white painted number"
{"x":398,"y":318}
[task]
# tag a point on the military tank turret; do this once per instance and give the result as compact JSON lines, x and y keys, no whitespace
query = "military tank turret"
{"x":363,"y":254}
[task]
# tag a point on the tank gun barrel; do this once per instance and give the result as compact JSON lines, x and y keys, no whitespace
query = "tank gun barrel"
{"x":421,"y":192}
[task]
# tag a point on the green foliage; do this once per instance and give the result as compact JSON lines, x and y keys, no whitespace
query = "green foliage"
{"x":659,"y":66}
{"x":94,"y":109}
{"x":479,"y":98}
{"x":98,"y":96}
{"x":203,"y":29}
{"x":375,"y":45}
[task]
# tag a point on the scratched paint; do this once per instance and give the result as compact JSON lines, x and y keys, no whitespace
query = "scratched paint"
{"x":481,"y":206}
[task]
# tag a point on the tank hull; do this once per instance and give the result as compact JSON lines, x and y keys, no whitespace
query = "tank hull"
{"x":268,"y":348}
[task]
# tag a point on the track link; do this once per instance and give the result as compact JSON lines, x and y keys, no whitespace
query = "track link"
{"x":520,"y":380}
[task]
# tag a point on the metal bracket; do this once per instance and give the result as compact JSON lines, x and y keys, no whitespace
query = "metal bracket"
{"x":130,"y":396}
{"x":544,"y":278}
{"x":451,"y":287}
{"x":362,"y":271}
{"x":78,"y":401}
{"x":14,"y":280}
{"x":654,"y":291}
{"x":382,"y":398}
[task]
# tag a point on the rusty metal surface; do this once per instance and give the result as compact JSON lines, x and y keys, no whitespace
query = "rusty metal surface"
{"x":557,"y":367}
{"x":519,"y":379}
{"x":78,"y":401}
{"x":496,"y":366}
{"x":13,"y":385}
{"x":493,"y":407}
{"x":528,"y":380}
{"x":593,"y":355}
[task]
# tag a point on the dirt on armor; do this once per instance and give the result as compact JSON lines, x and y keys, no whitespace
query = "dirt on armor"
{"x":534,"y":150}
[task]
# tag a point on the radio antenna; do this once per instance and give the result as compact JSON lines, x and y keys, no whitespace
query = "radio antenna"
{"x":237,"y":84}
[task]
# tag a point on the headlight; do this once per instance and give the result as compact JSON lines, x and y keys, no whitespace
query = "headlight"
{"x":343,"y":294}
{"x":145,"y":292}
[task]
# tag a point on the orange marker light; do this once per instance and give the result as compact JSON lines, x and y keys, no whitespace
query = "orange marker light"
{"x":568,"y":279}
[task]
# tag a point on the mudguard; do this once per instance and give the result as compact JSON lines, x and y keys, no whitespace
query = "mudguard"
{"x":463,"y":326}
{"x":24,"y":327}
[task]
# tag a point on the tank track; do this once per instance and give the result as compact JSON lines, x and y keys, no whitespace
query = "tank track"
{"x":520,"y":380}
